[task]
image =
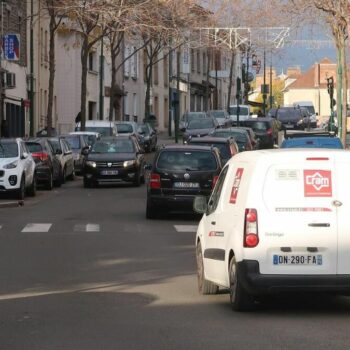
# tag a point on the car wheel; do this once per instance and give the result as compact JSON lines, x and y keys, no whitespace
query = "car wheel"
{"x":49,"y":184}
{"x":32,"y":188}
{"x":151,"y":210}
{"x":63,"y":175}
{"x":205,"y":287}
{"x":240,"y":299}
{"x":20,"y":194}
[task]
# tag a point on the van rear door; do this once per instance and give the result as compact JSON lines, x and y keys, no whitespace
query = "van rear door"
{"x":297,"y":222}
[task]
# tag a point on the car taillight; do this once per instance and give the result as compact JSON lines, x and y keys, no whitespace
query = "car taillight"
{"x":41,"y":155}
{"x":154,"y":181}
{"x":215,"y":180}
{"x":251,"y":237}
{"x":269,"y":131}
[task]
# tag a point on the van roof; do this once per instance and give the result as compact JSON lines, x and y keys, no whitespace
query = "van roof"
{"x":286,"y":154}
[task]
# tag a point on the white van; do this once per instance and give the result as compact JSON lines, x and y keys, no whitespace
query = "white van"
{"x":244,"y":113}
{"x":277,"y":221}
{"x":103,"y":127}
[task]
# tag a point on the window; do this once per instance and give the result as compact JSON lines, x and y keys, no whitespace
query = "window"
{"x":92,"y":62}
{"x":215,"y":196}
{"x":46,"y":58}
{"x":192,"y":61}
{"x":42,"y":52}
{"x":134,"y":102}
{"x":166,"y":71}
{"x":134,"y":64}
{"x":127,"y":63}
{"x":156,"y":72}
{"x":91,"y":110}
{"x":198,"y":62}
{"x":204,"y":64}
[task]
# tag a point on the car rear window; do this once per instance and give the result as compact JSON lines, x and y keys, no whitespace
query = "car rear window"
{"x":124,"y":128}
{"x":34,"y":147}
{"x":238,"y":136}
{"x":186,"y":161}
{"x":8,"y":150}
{"x":258,"y":125}
{"x":55,"y":145}
{"x":200,"y":124}
{"x":222,"y":147}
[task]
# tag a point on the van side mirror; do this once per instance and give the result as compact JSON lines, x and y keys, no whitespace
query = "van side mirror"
{"x":200,"y":205}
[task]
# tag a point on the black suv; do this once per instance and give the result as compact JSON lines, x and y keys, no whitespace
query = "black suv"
{"x":178,"y":174}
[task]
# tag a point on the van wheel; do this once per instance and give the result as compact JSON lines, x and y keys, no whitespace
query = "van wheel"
{"x":20,"y":193}
{"x":205,"y":287}
{"x":240,"y":299}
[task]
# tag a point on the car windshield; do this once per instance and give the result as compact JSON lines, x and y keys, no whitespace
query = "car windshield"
{"x":143,"y":129}
{"x":238,"y":136}
{"x":193,"y":115}
{"x":124,"y":128}
{"x":8,"y":150}
{"x":200,"y":124}
{"x":34,"y":147}
{"x":113,"y":146}
{"x":104,"y":131}
{"x":74,"y":141}
{"x":242,"y":110}
{"x":55,"y":145}
{"x":186,"y":161}
{"x":257,"y":125}
{"x":222,"y":147}
{"x":288,"y":113}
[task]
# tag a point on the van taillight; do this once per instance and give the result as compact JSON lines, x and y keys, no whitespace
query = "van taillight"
{"x":215,"y":180}
{"x":269,"y":131}
{"x":154,"y":181}
{"x":251,"y":237}
{"x":41,"y":155}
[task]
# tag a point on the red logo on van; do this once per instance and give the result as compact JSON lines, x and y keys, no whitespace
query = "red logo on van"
{"x":317,"y":183}
{"x":235,"y":187}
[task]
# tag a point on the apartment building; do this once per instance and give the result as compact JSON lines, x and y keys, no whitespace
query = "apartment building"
{"x":13,"y":67}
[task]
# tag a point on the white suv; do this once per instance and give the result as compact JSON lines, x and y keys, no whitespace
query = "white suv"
{"x":277,"y":221}
{"x":17,"y":168}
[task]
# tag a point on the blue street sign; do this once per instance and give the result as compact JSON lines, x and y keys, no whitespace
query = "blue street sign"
{"x":11,"y":45}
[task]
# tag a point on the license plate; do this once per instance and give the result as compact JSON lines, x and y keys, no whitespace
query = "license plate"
{"x":289,"y":126}
{"x":297,"y":259}
{"x":186,"y":185}
{"x":109,"y":172}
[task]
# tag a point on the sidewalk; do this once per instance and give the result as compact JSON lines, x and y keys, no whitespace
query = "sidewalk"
{"x":165,"y":139}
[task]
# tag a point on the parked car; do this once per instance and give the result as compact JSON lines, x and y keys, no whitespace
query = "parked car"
{"x":309,"y":106}
{"x":240,"y":112}
{"x":44,"y":132}
{"x":240,"y":135}
{"x":103,"y":127}
{"x":190,"y":116}
{"x":148,"y":137}
{"x":90,"y":137}
{"x":222,"y":117}
{"x":199,"y":128}
{"x":178,"y":174}
{"x":226,"y":146}
{"x":311,"y":139}
{"x":64,"y":154}
{"x":17,"y":168}
{"x":254,"y":140}
{"x":278,"y":222}
{"x":77,"y":143}
{"x":113,"y":160}
{"x":47,"y":166}
{"x":266,"y":129}
{"x":130,"y":128}
{"x":290,"y":118}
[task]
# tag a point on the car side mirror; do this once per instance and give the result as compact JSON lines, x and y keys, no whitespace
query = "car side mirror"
{"x":85,"y":150}
{"x":58,"y":151}
{"x":25,"y":155}
{"x":183,"y":129}
{"x":148,"y":166}
{"x":200,"y":205}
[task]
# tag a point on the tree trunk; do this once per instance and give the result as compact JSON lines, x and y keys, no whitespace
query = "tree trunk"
{"x":113,"y":84}
{"x":230,"y":81}
{"x":207,"y":93}
{"x":84,"y":71}
{"x":149,"y":71}
{"x":51,"y":73}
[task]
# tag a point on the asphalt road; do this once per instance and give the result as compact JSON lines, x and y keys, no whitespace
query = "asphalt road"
{"x":100,"y":276}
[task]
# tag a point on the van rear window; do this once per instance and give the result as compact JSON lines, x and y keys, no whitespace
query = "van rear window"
{"x":186,"y":161}
{"x":34,"y":147}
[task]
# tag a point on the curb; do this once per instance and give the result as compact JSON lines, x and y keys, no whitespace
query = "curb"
{"x":12,"y":204}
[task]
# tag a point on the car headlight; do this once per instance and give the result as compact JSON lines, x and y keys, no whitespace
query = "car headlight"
{"x":90,"y":163}
{"x":128,"y":163}
{"x":11,"y":165}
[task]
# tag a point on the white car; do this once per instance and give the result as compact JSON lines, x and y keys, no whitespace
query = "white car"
{"x":277,"y":221}
{"x":17,"y":168}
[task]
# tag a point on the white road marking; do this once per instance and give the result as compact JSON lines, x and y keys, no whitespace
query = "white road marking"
{"x":186,"y":228}
{"x":87,"y":228}
{"x":37,"y":228}
{"x":0,"y":227}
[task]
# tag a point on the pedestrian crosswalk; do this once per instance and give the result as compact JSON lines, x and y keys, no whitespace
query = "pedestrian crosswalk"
{"x":75,"y":227}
